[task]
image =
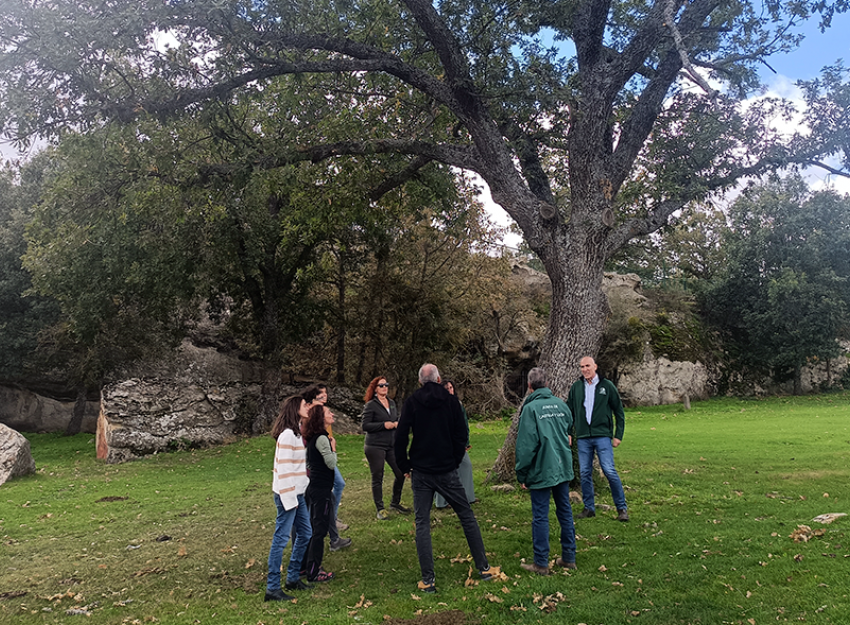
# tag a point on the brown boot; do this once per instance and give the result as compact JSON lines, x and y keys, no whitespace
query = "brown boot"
{"x":566,"y":565}
{"x":623,"y":515}
{"x":586,"y":514}
{"x":535,"y":568}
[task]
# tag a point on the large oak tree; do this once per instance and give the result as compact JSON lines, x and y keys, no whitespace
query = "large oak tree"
{"x":592,"y":121}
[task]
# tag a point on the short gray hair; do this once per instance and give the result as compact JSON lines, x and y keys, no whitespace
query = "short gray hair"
{"x":428,"y":373}
{"x":537,"y":378}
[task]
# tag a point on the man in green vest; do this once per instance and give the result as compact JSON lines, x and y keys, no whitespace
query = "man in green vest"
{"x":599,"y":424}
{"x":544,"y":465}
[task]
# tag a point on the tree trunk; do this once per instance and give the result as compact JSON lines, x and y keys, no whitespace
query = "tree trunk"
{"x":576,"y":323}
{"x":341,"y":321}
{"x":798,"y":379}
{"x":76,"y":422}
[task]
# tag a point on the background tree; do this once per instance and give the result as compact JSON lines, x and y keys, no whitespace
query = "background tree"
{"x":23,"y":313}
{"x":783,"y":299}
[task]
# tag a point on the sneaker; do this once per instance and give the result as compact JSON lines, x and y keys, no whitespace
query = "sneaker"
{"x":586,"y":514}
{"x":322,"y":576}
{"x":340,"y":543}
{"x":340,"y":526}
{"x":400,"y":508}
{"x":278,"y":595}
{"x":565,"y":564}
{"x":383,"y":515}
{"x":429,"y":588}
{"x":492,"y":572}
{"x":623,"y":515}
{"x":535,"y":568}
{"x":297,"y":585}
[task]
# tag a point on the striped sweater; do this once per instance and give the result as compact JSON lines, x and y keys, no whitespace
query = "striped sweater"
{"x":290,"y":469}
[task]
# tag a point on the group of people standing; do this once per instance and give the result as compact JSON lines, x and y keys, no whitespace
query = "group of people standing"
{"x":307,"y":483}
{"x":307,"y":486}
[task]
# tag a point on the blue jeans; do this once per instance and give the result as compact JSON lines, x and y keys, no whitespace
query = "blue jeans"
{"x":297,"y":521}
{"x":424,"y":485}
{"x":540,"y":523}
{"x":605,"y":452}
{"x":339,"y":484}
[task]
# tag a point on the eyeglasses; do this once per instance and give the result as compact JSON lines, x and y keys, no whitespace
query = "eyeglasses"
{"x":384,"y":385}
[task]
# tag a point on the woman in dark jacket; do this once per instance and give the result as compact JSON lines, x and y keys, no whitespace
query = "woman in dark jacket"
{"x":379,"y":421}
{"x":321,"y":462}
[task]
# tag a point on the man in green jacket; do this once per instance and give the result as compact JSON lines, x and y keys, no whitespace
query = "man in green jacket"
{"x":544,"y":465}
{"x":599,"y":424}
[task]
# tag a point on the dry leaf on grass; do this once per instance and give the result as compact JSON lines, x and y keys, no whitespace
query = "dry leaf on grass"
{"x":493,"y":598}
{"x":250,"y":563}
{"x":804,"y":534}
{"x":829,"y":517}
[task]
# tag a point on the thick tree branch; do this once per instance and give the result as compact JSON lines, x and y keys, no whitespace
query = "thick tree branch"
{"x":459,"y":156}
{"x":399,"y":178}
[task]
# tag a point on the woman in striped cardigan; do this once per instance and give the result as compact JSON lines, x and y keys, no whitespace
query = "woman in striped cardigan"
{"x":289,"y":485}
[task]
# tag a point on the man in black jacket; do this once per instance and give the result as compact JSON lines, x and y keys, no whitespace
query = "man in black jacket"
{"x":435,"y":418}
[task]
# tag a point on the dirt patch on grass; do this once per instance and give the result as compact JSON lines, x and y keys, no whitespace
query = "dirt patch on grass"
{"x":450,"y":617}
{"x":250,"y":583}
{"x":814,"y":476}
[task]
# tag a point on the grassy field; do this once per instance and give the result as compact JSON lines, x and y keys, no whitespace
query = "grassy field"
{"x":714,"y":495}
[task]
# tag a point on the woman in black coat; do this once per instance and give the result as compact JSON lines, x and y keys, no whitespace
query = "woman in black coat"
{"x":379,"y":421}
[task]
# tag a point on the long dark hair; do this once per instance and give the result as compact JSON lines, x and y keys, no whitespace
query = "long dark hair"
{"x":312,"y":392}
{"x":315,"y":424}
{"x":288,"y":417}
{"x":370,"y":390}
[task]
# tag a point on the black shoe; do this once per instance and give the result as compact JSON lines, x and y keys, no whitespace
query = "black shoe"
{"x":586,"y":514}
{"x":298,"y":585}
{"x":400,"y":508}
{"x":340,"y":543}
{"x":426,"y":587}
{"x":278,"y":595}
{"x":623,"y":515}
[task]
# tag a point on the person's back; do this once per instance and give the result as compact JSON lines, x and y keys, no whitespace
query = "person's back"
{"x":435,"y":418}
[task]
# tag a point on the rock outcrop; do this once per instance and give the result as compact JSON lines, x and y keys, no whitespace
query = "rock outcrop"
{"x":661,"y":381}
{"x":15,"y":456}
{"x":141,"y":417}
{"x":26,"y":411}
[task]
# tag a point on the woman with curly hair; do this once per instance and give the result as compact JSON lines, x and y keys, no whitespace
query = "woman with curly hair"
{"x":379,"y":421}
{"x":289,"y":484}
{"x":321,"y":462}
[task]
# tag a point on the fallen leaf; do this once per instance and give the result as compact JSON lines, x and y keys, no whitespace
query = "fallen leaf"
{"x":250,"y":563}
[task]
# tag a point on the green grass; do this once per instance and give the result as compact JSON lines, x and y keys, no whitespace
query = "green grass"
{"x":714,"y":494}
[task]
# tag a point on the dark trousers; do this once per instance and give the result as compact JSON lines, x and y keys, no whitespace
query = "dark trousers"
{"x":320,"y":501}
{"x":377,"y":456}
{"x":448,"y":485}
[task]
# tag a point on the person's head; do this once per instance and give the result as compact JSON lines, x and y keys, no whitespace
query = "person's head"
{"x":449,"y":386}
{"x":588,"y":368}
{"x":429,"y":373}
{"x":537,"y":378}
{"x":378,"y":386}
{"x":289,"y":417}
{"x":315,"y":394}
{"x":317,"y":420}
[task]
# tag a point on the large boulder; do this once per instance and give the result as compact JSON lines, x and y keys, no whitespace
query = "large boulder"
{"x":15,"y":456}
{"x":27,"y":411}
{"x":141,"y":417}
